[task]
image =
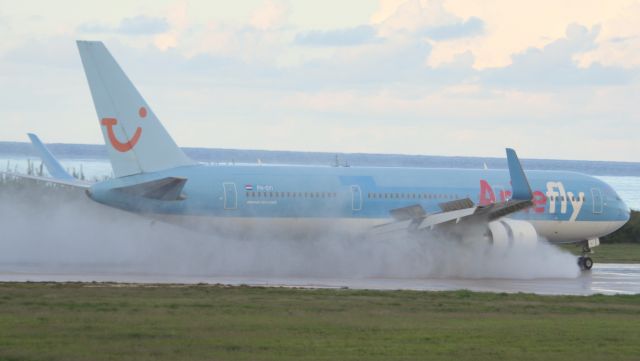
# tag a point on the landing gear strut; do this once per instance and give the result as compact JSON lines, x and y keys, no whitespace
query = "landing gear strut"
{"x":585,"y":262}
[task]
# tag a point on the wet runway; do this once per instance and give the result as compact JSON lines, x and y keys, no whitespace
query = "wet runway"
{"x":603,"y":278}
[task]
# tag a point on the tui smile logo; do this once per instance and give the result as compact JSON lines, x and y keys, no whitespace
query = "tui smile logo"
{"x":115,"y":143}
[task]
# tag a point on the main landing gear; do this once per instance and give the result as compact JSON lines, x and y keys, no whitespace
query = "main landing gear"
{"x":585,"y":262}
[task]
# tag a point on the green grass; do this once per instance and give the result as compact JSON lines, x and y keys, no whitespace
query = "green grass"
{"x":612,"y":252}
{"x":122,"y":322}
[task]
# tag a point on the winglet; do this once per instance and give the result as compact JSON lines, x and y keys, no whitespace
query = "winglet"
{"x":519,"y":182}
{"x":53,"y":166}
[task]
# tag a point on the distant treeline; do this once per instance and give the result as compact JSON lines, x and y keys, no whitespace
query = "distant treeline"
{"x":211,"y":155}
{"x":630,"y":232}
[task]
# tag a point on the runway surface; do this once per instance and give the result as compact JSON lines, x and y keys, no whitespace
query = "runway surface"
{"x":603,"y":278}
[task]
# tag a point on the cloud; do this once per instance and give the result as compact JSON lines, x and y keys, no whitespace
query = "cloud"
{"x":143,"y":25}
{"x":366,"y":34}
{"x":363,"y":34}
{"x":4,"y":23}
{"x":138,"y":25}
{"x":471,"y":27}
{"x":57,"y":51}
{"x":555,"y":64}
{"x":272,"y":14}
{"x":413,"y":16}
{"x":94,"y":28}
{"x":373,"y":87}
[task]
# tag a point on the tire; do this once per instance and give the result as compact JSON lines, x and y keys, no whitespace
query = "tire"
{"x":587,"y":263}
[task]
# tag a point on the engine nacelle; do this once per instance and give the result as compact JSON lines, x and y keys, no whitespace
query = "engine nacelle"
{"x":508,"y":232}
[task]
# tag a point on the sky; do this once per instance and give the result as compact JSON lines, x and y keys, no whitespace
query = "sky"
{"x":557,"y":80}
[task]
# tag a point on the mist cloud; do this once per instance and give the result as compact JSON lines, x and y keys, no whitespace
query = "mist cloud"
{"x":50,"y":231}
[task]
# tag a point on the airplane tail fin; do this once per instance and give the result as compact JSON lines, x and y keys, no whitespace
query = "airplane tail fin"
{"x":519,"y":182}
{"x":55,"y":169}
{"x":136,"y":140}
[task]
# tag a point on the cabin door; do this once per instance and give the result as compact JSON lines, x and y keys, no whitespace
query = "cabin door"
{"x":356,"y":198}
{"x":230,"y":196}
{"x":596,"y":195}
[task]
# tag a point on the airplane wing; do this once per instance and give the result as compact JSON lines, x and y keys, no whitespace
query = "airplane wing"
{"x":464,"y":210}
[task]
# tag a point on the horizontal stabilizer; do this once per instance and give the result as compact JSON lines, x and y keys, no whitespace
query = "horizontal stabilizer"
{"x":165,"y":189}
{"x":73,"y":183}
{"x":53,"y":166}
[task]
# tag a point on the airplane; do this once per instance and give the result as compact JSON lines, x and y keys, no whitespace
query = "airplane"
{"x":155,"y":178}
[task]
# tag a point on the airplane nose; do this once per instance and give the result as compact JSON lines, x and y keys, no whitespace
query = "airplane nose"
{"x":626,"y":212}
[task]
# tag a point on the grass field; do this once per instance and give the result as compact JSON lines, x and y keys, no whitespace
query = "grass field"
{"x":612,"y":253}
{"x":122,"y":322}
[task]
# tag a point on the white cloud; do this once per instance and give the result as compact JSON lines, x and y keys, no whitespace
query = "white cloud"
{"x":555,"y":64}
{"x":435,"y":77}
{"x":137,"y":25}
{"x":272,"y":14}
{"x":357,"y":35}
{"x":415,"y":15}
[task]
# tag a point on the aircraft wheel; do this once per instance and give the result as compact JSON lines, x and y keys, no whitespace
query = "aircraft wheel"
{"x":581,"y":262}
{"x":587,"y":263}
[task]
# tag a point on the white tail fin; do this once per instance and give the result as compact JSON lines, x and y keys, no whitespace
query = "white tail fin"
{"x":135,"y":139}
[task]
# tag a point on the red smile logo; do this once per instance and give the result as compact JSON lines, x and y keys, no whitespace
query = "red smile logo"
{"x":118,"y":145}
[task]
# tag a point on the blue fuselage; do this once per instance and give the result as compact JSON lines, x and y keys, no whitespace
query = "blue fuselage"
{"x":310,"y":192}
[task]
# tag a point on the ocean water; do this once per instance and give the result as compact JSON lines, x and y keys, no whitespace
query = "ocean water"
{"x":95,"y":169}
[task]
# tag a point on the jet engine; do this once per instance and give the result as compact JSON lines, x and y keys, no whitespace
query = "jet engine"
{"x":506,"y":232}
